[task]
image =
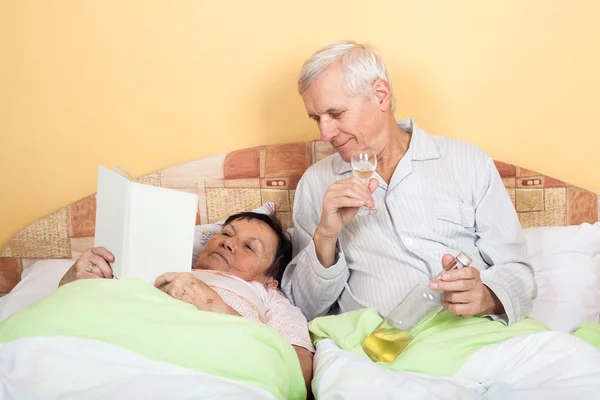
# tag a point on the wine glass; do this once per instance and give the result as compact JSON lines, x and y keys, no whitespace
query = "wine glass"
{"x":364,"y":164}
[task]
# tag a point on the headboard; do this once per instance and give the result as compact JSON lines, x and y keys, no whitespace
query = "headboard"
{"x":245,"y":179}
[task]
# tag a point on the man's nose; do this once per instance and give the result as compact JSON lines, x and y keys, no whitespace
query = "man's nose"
{"x":328,"y":129}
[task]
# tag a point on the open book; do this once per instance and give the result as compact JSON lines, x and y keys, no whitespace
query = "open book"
{"x":149,"y":229}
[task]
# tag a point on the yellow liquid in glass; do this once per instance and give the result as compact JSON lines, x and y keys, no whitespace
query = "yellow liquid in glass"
{"x":385,"y":344}
{"x":364,"y":173}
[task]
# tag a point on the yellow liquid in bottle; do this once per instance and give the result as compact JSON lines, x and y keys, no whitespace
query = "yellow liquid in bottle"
{"x":385,"y":344}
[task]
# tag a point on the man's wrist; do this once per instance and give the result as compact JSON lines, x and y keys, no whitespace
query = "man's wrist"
{"x":323,"y":237}
{"x":325,"y":247}
{"x":494,"y":305}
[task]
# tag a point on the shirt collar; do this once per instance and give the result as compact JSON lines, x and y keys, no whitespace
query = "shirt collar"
{"x":422,"y":146}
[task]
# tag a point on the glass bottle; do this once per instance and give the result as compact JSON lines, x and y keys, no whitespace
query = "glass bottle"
{"x":395,"y":332}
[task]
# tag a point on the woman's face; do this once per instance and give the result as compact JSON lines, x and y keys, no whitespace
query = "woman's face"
{"x":245,"y":248}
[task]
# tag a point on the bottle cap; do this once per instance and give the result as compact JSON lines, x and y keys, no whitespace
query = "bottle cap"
{"x":464,"y":259}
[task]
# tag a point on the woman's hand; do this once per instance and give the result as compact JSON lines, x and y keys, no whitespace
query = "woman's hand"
{"x":92,"y":264}
{"x":186,"y":287}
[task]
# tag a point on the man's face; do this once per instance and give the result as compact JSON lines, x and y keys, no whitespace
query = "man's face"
{"x":349,"y":123}
{"x":245,"y":248}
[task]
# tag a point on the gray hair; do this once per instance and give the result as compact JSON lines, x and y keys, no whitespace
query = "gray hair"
{"x":362,"y":67}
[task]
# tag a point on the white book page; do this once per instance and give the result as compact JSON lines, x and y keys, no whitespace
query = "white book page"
{"x":112,"y":216}
{"x":161,"y":237}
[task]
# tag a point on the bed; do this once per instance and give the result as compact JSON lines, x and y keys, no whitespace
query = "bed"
{"x":561,"y":220}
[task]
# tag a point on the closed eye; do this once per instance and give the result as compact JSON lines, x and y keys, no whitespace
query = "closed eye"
{"x":250,"y":248}
{"x":315,"y":118}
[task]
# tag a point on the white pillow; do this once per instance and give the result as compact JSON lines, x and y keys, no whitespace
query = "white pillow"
{"x":37,"y":281}
{"x":566,"y":261}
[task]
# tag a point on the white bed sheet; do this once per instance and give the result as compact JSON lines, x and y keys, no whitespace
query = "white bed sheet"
{"x":545,"y":366}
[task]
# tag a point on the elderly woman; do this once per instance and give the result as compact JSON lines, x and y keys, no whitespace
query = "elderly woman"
{"x":237,"y":274}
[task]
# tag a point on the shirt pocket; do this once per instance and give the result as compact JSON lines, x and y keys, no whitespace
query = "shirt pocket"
{"x":457,"y":213}
{"x":454,"y":225}
{"x":448,"y":227}
{"x":444,"y":227}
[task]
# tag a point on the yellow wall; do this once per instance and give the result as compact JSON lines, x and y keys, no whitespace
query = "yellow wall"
{"x":145,"y":84}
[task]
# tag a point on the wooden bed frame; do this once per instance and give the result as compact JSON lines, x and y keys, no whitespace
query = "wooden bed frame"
{"x":245,"y":179}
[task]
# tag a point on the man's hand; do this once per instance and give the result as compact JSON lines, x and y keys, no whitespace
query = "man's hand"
{"x":186,"y":287}
{"x":92,"y":264}
{"x":342,"y":201}
{"x":464,"y":292}
{"x":340,"y":204}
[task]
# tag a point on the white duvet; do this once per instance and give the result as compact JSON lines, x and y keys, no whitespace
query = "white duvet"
{"x":545,"y":366}
{"x":70,"y":368}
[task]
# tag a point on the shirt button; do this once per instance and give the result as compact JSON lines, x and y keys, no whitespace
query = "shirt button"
{"x":408,"y":242}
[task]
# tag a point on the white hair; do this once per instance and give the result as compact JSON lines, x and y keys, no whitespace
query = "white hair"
{"x":361,"y":66}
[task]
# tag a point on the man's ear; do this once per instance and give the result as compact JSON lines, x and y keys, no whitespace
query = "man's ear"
{"x":383,"y":92}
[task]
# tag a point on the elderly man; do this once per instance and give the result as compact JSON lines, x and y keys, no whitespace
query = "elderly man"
{"x":435,"y":197}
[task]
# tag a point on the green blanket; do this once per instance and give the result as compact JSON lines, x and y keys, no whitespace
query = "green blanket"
{"x":134,"y":315}
{"x":440,"y":347}
{"x":589,"y":332}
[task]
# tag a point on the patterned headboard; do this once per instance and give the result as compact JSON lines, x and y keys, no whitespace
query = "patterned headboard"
{"x":244,"y":179}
